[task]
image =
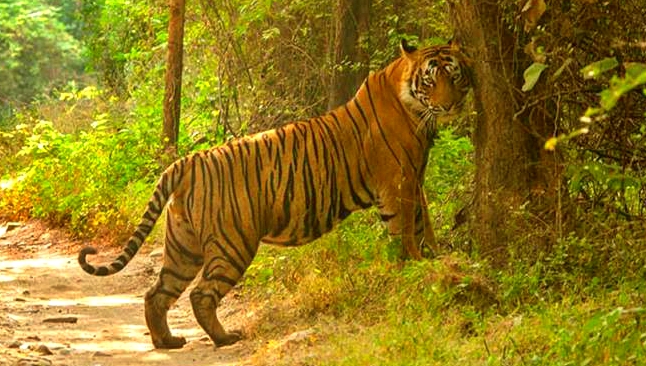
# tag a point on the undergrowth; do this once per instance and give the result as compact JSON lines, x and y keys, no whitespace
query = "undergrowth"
{"x":87,"y":161}
{"x":369,"y":308}
{"x":579,"y":304}
{"x":88,"y":179}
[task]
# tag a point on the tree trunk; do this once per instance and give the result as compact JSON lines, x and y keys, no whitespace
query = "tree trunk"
{"x":511,"y":171}
{"x":173,"y":77}
{"x":352,"y":20}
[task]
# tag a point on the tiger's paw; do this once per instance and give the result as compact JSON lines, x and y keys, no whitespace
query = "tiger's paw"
{"x":170,"y":343}
{"x":228,"y":338}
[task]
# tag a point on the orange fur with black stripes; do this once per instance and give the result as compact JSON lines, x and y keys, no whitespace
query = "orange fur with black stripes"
{"x":290,"y":185}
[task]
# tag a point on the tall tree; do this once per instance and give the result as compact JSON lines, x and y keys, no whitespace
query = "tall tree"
{"x":173,"y":77}
{"x":350,"y":64}
{"x":512,"y":172}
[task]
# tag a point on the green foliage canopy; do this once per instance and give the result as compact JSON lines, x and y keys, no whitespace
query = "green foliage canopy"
{"x":36,"y":51}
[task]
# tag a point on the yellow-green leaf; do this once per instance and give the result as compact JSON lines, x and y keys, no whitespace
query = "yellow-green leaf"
{"x":597,"y":68}
{"x":532,"y":74}
{"x":550,"y":144}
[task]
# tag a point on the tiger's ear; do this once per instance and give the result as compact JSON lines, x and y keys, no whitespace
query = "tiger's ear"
{"x":455,"y":43}
{"x":456,"y":46}
{"x":406,"y":49}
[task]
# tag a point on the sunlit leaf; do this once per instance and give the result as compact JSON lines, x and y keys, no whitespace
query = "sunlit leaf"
{"x":597,"y":68}
{"x":622,"y":181}
{"x":609,"y":98}
{"x":550,"y":144}
{"x":270,"y":33}
{"x":636,"y":70}
{"x":66,"y":96}
{"x":531,"y":75}
{"x":591,"y":111}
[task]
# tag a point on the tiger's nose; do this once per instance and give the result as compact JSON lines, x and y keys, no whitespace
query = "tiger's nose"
{"x":448,"y":106}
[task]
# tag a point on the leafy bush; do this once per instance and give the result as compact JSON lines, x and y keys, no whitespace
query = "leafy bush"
{"x":448,"y":178}
{"x":86,"y":178}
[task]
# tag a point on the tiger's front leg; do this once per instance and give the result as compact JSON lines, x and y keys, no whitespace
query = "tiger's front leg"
{"x":404,"y":210}
{"x":426,"y":236}
{"x":417,"y":231}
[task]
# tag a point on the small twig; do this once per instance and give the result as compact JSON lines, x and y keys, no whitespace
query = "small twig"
{"x":545,"y":97}
{"x":484,"y":340}
{"x":61,"y":319}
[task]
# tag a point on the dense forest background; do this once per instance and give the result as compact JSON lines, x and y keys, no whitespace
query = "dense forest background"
{"x":537,"y":193}
{"x":93,"y":72}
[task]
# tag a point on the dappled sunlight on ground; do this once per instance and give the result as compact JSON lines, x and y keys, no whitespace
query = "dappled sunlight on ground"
{"x":110,"y":346}
{"x":26,"y":264}
{"x":46,"y":300}
{"x":110,"y":300}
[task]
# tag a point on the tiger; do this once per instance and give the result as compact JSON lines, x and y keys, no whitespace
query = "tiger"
{"x":290,"y":185}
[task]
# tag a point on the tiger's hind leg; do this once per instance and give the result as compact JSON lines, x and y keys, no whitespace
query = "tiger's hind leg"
{"x":222,"y":271}
{"x":182,"y":262}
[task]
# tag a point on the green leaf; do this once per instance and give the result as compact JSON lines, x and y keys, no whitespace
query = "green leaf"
{"x":609,"y":98}
{"x":636,"y":71}
{"x":597,"y":68}
{"x":531,"y":75}
{"x":270,"y":33}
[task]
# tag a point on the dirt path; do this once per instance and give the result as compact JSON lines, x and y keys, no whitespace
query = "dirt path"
{"x":40,"y":281}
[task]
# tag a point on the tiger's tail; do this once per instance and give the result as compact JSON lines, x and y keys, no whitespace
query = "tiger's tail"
{"x":166,"y":185}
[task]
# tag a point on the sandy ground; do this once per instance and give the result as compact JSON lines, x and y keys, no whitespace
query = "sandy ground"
{"x":101,"y":319}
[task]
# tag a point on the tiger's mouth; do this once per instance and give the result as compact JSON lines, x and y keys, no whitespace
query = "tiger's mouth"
{"x":448,"y":111}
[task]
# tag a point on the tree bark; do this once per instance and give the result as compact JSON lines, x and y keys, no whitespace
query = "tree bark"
{"x":173,"y":76}
{"x":511,"y":170}
{"x":352,"y":20}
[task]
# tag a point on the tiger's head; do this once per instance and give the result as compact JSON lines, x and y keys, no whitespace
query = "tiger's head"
{"x":436,"y":80}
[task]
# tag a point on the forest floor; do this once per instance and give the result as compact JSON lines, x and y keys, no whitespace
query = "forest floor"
{"x":52,"y":313}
